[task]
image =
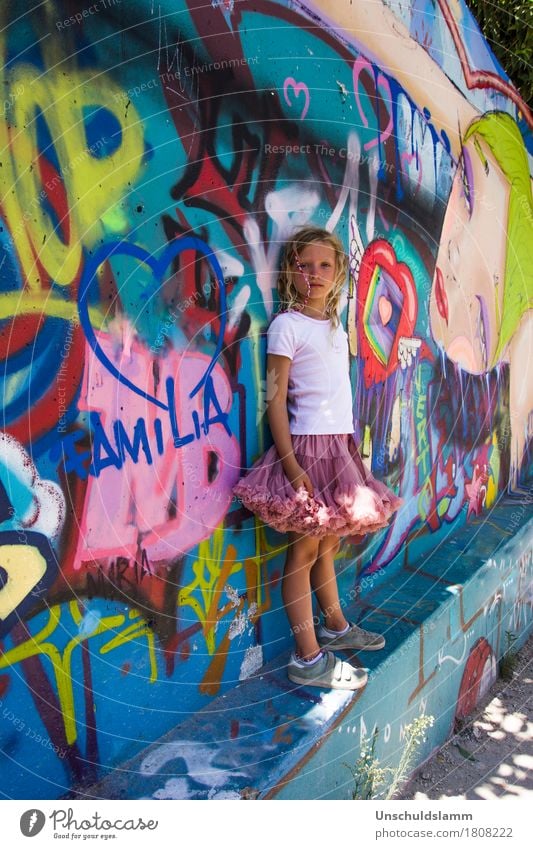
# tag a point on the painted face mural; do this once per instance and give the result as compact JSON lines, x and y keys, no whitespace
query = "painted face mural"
{"x":154,"y":159}
{"x":482,"y":296}
{"x":468,"y":284}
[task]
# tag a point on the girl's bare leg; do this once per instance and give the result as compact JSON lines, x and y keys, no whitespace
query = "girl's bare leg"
{"x":296,"y":592}
{"x":324,"y":583}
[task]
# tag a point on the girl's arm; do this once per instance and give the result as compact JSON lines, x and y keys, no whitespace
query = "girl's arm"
{"x":278,"y":419}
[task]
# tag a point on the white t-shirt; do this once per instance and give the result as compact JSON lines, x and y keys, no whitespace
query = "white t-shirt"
{"x":319,"y":396}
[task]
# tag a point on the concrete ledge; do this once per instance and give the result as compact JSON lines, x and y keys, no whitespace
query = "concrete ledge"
{"x":445,"y":620}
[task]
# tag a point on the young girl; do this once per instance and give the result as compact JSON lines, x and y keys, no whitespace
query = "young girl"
{"x":312,"y":482}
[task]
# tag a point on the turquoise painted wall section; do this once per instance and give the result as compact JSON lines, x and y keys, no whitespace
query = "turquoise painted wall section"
{"x":154,"y":157}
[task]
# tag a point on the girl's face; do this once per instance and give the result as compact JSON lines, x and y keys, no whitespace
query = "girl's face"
{"x":319,"y":263}
{"x":467,"y":293}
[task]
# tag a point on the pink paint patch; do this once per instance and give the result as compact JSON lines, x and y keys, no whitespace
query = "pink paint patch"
{"x":380,"y":82}
{"x":462,"y":353}
{"x":385,"y":309}
{"x":290,"y":83}
{"x":156,"y":507}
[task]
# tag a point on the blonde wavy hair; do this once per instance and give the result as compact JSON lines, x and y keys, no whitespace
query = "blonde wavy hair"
{"x":288,"y":293}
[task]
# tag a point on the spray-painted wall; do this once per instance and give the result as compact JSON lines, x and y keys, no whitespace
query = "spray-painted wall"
{"x":153,"y":158}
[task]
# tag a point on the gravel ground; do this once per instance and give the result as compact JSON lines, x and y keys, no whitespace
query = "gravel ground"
{"x":491,"y":755}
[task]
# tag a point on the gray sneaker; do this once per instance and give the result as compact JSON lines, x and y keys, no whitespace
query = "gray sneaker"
{"x":329,"y":672}
{"x":354,"y":638}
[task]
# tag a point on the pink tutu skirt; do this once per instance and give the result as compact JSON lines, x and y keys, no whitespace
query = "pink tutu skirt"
{"x":347,"y":499}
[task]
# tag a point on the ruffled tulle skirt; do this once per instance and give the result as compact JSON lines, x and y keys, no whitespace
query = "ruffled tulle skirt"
{"x":347,"y":499}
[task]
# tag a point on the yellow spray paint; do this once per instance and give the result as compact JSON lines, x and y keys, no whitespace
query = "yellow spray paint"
{"x":62,"y":661}
{"x":494,"y":473}
{"x":211,"y":572}
{"x":93,"y":185}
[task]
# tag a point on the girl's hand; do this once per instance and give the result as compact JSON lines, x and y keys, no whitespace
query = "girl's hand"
{"x":298,"y":477}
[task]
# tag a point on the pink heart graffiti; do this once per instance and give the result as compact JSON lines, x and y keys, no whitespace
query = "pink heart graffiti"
{"x":290,"y":82}
{"x":380,"y":82}
{"x":384,"y":309}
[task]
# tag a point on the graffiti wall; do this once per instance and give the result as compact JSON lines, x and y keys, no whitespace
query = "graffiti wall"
{"x":154,"y":157}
